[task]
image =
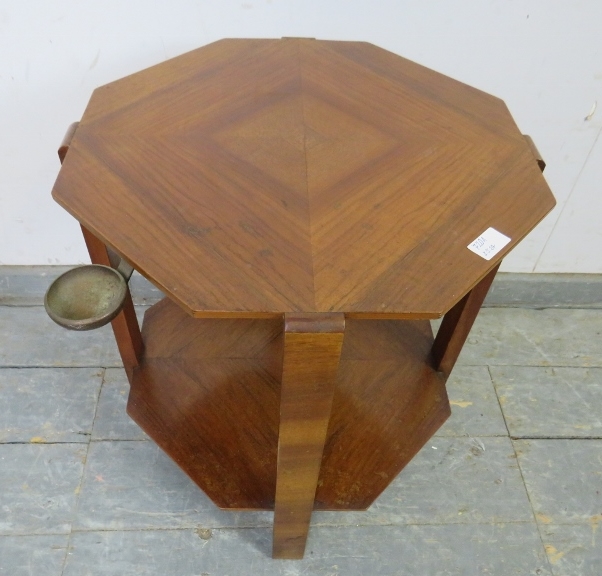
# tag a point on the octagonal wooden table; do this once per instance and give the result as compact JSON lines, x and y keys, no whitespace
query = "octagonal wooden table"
{"x":306,"y":207}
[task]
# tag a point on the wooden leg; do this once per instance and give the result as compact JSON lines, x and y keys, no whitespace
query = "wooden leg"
{"x":125,"y":325}
{"x":457,"y":324}
{"x":312,"y":348}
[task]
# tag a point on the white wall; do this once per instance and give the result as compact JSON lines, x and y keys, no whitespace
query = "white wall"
{"x":543,"y":57}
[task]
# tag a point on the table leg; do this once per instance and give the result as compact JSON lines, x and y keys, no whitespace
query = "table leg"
{"x":457,"y":324}
{"x":312,"y":349}
{"x":125,"y":325}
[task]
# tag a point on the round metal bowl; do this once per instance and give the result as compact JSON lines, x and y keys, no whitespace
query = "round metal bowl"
{"x":86,"y":297}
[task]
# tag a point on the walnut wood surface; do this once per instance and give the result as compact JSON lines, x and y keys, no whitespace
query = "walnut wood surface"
{"x":312,"y":349}
{"x":329,"y":182}
{"x":256,"y":177}
{"x":64,"y":147}
{"x":456,"y":325}
{"x":208,"y":392}
{"x":458,"y":321}
{"x":388,"y":402}
{"x":125,"y":324}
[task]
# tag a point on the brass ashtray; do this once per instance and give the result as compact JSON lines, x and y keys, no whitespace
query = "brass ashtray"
{"x":86,"y":297}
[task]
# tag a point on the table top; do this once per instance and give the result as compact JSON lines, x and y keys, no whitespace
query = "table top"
{"x":256,"y":177}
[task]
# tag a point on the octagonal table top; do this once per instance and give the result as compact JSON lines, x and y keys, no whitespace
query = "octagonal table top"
{"x":256,"y":177}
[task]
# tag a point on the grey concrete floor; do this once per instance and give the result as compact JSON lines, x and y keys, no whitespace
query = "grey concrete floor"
{"x":511,"y":484}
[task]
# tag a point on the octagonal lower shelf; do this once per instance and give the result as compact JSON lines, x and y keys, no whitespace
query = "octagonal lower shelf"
{"x":207,"y":392}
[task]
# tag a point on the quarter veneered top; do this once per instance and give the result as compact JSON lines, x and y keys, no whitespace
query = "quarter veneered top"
{"x":255,"y":177}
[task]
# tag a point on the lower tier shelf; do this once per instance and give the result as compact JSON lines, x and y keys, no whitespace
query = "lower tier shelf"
{"x":207,"y":392}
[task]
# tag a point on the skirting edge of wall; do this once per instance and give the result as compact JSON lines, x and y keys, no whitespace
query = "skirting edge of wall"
{"x":26,"y":286}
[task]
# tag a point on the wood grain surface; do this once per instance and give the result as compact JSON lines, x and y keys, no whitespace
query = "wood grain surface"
{"x":312,"y":349}
{"x":456,"y":325}
{"x":125,"y":325}
{"x":458,"y":321}
{"x":260,"y":177}
{"x":208,"y":392}
{"x":296,"y":199}
{"x":388,"y":402}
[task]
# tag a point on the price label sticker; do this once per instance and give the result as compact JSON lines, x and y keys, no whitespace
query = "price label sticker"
{"x":488,"y":244}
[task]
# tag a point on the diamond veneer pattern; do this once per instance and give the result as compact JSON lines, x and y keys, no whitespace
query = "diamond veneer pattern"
{"x":267,"y":176}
